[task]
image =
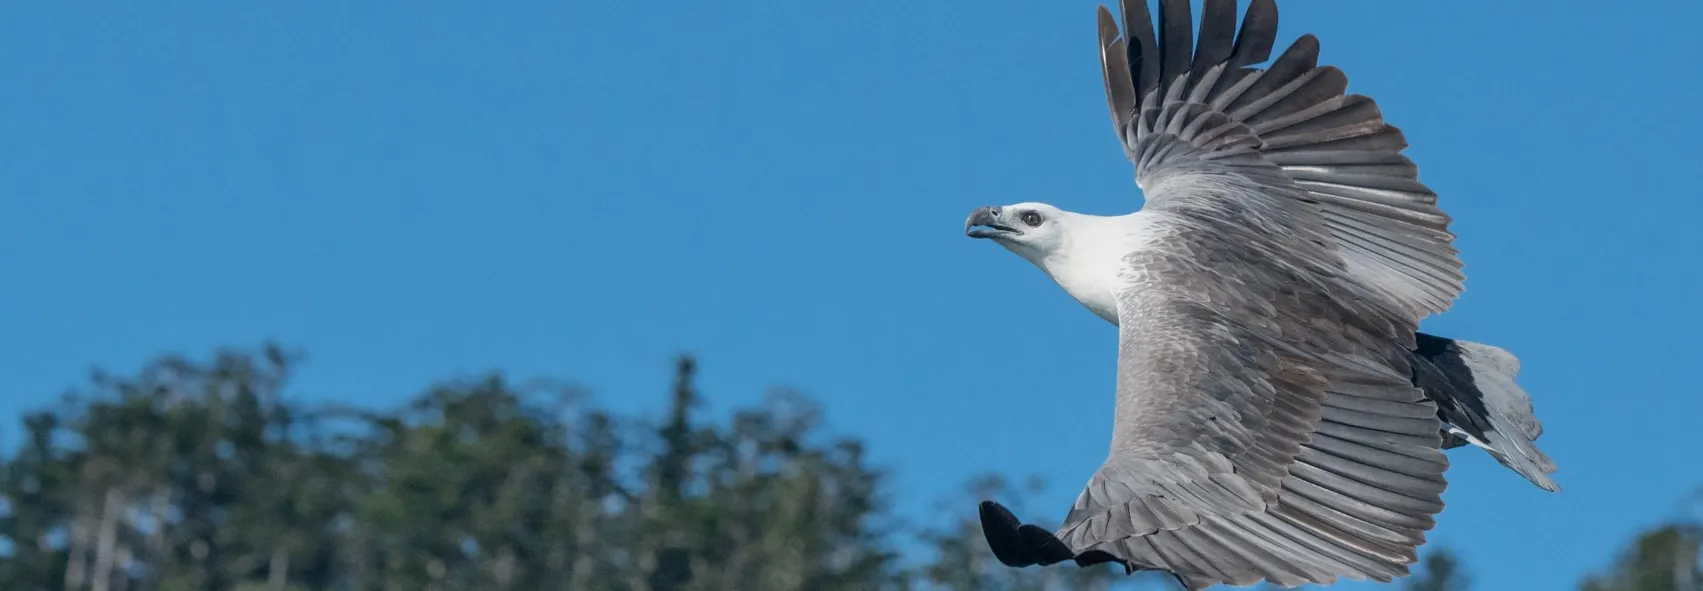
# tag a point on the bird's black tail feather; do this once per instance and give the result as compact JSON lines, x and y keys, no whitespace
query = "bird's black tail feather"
{"x":1478,"y":394}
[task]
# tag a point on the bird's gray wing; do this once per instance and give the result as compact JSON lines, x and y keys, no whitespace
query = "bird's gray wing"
{"x":1377,"y":215}
{"x":1266,"y":426}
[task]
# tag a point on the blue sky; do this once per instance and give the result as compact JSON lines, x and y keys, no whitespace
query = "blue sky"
{"x":413,"y":191}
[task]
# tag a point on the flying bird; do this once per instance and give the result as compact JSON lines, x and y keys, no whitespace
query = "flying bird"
{"x":1279,"y":417}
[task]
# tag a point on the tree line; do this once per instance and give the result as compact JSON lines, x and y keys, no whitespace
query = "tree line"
{"x":204,"y":474}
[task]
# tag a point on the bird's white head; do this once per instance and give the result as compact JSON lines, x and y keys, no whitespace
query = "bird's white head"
{"x":1078,"y":251}
{"x":1034,"y":231}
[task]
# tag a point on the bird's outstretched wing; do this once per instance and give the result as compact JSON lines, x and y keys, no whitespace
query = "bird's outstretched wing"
{"x":1293,"y":115}
{"x":1267,"y":427}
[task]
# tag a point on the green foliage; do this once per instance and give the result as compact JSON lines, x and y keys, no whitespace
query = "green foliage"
{"x":1440,"y":571}
{"x":1663,"y":559}
{"x":204,"y":476}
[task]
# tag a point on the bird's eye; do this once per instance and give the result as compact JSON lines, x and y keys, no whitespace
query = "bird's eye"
{"x":1031,"y":218}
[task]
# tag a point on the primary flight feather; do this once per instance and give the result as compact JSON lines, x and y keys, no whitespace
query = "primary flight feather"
{"x":1279,"y":417}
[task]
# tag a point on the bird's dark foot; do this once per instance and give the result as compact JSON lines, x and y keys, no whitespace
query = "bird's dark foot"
{"x":1018,"y":544}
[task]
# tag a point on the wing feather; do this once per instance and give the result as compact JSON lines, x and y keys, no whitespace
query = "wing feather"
{"x":1301,"y":120}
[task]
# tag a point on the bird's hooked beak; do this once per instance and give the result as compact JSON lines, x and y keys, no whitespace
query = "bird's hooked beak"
{"x":984,"y":222}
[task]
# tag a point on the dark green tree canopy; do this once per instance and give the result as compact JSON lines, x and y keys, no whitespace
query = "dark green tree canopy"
{"x":207,"y":475}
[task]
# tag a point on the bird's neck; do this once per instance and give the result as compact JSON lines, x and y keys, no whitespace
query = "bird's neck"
{"x":1088,"y":267}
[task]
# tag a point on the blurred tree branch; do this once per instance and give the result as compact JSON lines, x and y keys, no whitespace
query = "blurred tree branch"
{"x":206,"y":475}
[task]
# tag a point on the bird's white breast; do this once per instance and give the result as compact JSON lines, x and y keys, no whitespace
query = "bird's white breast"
{"x":1093,"y":289}
{"x":1090,"y":268}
